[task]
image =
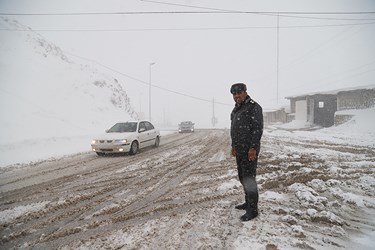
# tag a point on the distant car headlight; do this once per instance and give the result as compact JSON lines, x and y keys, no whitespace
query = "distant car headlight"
{"x":93,"y":141}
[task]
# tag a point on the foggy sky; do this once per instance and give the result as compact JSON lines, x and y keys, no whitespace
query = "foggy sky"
{"x":198,"y":56}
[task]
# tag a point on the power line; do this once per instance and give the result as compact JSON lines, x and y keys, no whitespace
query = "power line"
{"x":147,"y":83}
{"x":153,"y":85}
{"x":112,"y":13}
{"x":217,"y":10}
{"x":302,"y":58}
{"x":276,"y":13}
{"x":195,"y":12}
{"x":326,"y":18}
{"x":192,"y":29}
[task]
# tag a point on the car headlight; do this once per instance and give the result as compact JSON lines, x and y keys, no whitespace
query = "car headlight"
{"x":122,"y":141}
{"x":93,"y":141}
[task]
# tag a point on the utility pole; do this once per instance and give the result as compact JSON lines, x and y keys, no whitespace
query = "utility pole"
{"x":213,"y":119}
{"x":149,"y":93}
{"x":164,"y":119}
{"x":277,"y":71}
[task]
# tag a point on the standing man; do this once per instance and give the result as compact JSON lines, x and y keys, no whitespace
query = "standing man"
{"x":246,"y":132}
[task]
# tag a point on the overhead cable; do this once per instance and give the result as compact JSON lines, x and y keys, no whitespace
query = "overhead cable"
{"x":189,"y":12}
{"x":192,"y":29}
{"x":147,"y":83}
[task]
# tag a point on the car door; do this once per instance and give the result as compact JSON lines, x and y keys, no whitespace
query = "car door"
{"x":143,"y":135}
{"x":151,"y":133}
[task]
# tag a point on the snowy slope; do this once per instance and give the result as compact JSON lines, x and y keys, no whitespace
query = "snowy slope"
{"x":46,"y":96}
{"x":41,"y":84}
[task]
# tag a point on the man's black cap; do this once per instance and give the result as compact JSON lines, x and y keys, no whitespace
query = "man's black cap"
{"x":237,"y":87}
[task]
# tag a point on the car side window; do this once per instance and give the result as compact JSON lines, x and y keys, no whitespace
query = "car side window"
{"x":149,"y":126}
{"x":142,"y":127}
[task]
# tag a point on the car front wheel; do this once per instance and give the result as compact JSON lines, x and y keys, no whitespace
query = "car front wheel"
{"x":133,"y":148}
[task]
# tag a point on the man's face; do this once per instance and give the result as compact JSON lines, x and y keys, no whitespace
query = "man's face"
{"x":239,"y":97}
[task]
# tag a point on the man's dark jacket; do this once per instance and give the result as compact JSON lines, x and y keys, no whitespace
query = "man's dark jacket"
{"x":246,"y":126}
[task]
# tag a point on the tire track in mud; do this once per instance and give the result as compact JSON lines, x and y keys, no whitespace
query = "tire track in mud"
{"x":64,"y":215}
{"x":65,"y":165}
{"x":156,"y":191}
{"x":172,"y":180}
{"x":61,"y":183}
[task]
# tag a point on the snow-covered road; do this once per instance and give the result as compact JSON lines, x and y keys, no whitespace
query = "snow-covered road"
{"x":314,"y":194}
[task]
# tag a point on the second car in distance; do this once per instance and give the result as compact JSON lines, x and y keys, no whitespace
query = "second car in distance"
{"x":186,"y":126}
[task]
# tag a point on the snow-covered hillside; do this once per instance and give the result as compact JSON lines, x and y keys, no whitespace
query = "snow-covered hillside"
{"x":47,"y":97}
{"x":44,"y":93}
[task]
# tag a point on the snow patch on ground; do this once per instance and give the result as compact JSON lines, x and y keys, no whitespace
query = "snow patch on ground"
{"x":9,"y":215}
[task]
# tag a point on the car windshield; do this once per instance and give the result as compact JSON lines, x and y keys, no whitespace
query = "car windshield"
{"x":123,"y":127}
{"x":186,"y":123}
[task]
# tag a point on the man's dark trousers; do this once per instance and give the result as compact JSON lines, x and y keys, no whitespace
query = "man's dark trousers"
{"x":246,"y":174}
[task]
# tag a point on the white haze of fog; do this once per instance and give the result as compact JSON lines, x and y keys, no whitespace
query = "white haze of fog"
{"x":52,"y":103}
{"x":200,"y":55}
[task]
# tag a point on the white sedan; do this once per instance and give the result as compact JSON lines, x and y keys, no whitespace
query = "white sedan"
{"x":126,"y":137}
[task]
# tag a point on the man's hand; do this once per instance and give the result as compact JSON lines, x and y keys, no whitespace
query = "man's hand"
{"x":252,"y":154}
{"x":233,"y":152}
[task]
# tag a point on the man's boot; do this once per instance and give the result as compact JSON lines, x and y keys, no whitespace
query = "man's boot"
{"x":251,"y":212}
{"x":242,"y":206}
{"x":249,"y":215}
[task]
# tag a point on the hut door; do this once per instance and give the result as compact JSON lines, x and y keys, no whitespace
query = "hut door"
{"x":301,"y":110}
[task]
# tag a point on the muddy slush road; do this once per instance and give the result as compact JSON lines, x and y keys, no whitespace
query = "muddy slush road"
{"x":174,"y":188}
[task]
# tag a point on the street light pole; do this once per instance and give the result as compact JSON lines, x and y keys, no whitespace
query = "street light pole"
{"x":149,"y":93}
